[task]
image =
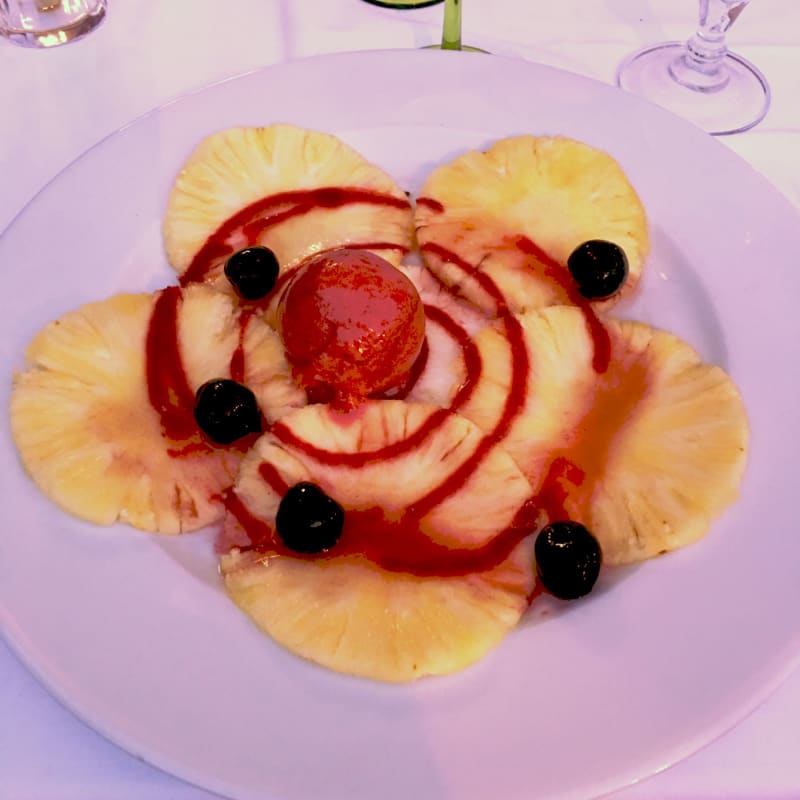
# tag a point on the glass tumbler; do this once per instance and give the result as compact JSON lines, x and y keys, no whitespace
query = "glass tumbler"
{"x":48,"y":23}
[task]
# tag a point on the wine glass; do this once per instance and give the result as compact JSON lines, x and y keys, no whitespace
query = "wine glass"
{"x":451,"y":30}
{"x":700,"y":79}
{"x":404,"y":3}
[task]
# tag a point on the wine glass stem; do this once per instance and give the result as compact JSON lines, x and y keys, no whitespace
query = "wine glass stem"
{"x":451,"y":30}
{"x":706,"y":49}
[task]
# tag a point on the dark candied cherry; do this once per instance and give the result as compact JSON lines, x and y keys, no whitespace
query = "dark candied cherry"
{"x":599,"y":268}
{"x":252,"y":272}
{"x":308,"y":520}
{"x":225,"y":410}
{"x":568,"y":559}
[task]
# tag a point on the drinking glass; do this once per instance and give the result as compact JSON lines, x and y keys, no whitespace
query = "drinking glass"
{"x":700,"y":79}
{"x":48,"y":23}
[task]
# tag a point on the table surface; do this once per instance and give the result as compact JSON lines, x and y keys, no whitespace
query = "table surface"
{"x":147,"y":53}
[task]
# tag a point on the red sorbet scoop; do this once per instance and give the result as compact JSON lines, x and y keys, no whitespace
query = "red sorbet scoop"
{"x":352,"y":325}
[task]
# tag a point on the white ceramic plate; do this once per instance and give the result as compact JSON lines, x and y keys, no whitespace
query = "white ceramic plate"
{"x":133,"y":632}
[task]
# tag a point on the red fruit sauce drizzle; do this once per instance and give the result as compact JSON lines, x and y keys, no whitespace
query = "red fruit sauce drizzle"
{"x":430,"y":203}
{"x":237,"y":358}
{"x":600,"y":338}
{"x":254,"y":219}
{"x":270,"y":475}
{"x":514,"y":403}
{"x":362,"y":457}
{"x":168,"y":386}
{"x":469,"y":353}
{"x":554,"y":491}
{"x":598,"y":332}
{"x":473,"y":365}
{"x":398,"y":542}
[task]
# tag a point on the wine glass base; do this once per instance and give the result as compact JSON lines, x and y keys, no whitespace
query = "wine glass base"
{"x":661,"y":73}
{"x":465,"y":47}
{"x":400,"y":4}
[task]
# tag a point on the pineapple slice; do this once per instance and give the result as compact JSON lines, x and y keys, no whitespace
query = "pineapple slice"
{"x":515,"y":212}
{"x":645,"y":454}
{"x":295,"y":191}
{"x":85,"y":425}
{"x":402,"y":472}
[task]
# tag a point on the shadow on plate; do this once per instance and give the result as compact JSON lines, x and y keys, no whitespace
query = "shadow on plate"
{"x":195,"y":553}
{"x":546,"y":607}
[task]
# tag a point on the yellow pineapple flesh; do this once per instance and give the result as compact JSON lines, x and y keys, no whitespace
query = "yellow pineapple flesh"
{"x":240,"y":168}
{"x":349,"y":612}
{"x":648,"y":452}
{"x":482,"y":212}
{"x":88,"y":434}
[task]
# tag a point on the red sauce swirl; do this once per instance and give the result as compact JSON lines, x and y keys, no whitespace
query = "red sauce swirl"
{"x":554,"y":271}
{"x":168,"y":388}
{"x":396,"y":545}
{"x":430,"y":203}
{"x":270,"y":211}
{"x":399,"y":543}
{"x":469,"y":352}
{"x":167,"y":385}
{"x":598,"y":332}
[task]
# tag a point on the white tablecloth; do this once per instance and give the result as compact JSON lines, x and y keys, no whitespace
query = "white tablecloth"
{"x":56,"y":104}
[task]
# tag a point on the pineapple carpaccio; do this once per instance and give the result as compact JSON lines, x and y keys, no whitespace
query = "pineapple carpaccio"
{"x":386,"y":528}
